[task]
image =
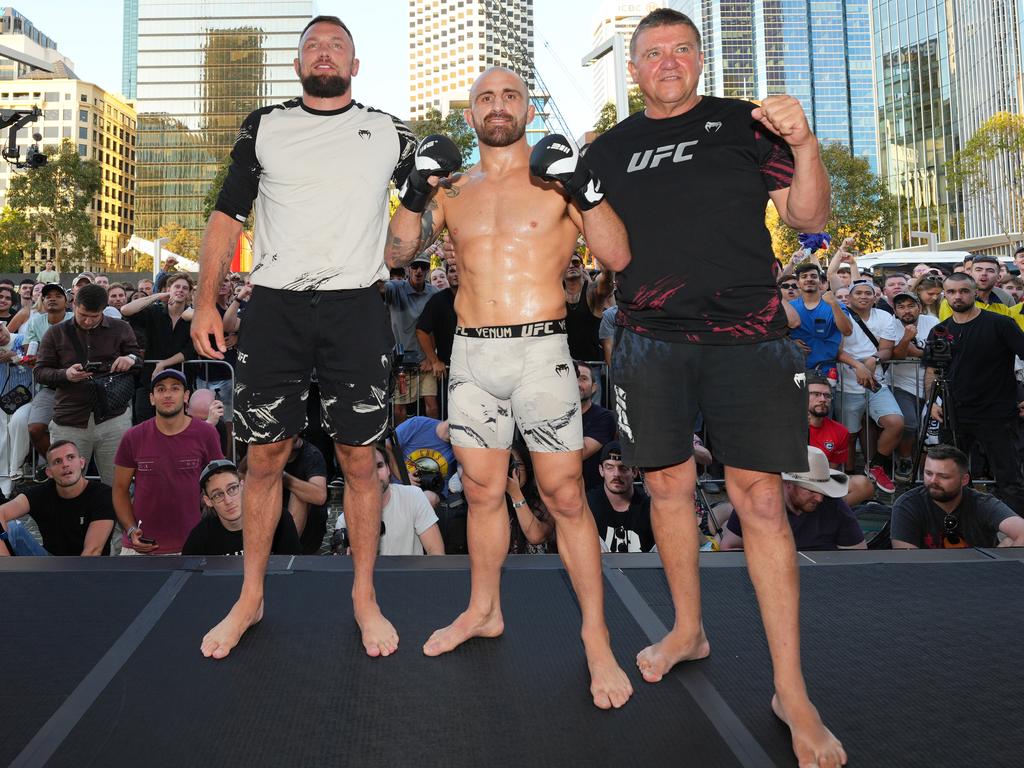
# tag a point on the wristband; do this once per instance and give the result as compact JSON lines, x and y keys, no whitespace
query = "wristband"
{"x":518,"y":504}
{"x":129,"y":532}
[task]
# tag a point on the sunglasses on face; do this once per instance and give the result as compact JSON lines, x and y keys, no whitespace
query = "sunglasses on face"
{"x":788,"y":286}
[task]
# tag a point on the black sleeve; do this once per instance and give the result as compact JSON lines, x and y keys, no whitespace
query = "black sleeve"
{"x":286,"y":538}
{"x":101,"y":505}
{"x":773,"y":155}
{"x":242,"y":183}
{"x":406,"y":151}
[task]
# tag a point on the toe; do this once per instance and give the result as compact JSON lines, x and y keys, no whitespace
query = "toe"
{"x":601,"y":700}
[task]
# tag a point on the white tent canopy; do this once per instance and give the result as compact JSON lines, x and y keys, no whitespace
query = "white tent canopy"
{"x":149,"y":247}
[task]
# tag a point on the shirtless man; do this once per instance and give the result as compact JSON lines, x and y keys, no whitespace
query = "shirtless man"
{"x":510,"y":359}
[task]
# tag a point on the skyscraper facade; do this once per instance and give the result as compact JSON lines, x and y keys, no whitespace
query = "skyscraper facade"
{"x":452,"y":41}
{"x":200,"y":70}
{"x":28,"y":49}
{"x":918,"y":116}
{"x":819,"y":52}
{"x":130,"y":48}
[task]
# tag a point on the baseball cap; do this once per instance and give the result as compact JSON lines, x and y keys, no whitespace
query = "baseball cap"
{"x":902,"y":295}
{"x":52,"y":287}
{"x":169,"y":373}
{"x":612,"y":451}
{"x":986,"y":258}
{"x":421,"y":258}
{"x":819,"y":477}
{"x":79,"y":278}
{"x":215,"y":466}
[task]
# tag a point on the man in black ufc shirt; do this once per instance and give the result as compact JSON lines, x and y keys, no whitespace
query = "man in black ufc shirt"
{"x":317,"y":169}
{"x":701,"y":327}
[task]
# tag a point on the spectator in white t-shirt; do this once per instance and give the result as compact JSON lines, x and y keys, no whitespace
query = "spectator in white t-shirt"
{"x":908,"y":377}
{"x":408,"y":524}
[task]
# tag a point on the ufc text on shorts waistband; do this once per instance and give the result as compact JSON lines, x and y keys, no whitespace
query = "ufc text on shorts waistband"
{"x":526,"y":330}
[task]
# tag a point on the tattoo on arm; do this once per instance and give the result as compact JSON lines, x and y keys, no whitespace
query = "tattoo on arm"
{"x":427,"y":224}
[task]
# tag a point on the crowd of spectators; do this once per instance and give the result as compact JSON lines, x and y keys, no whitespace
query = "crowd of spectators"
{"x":114,"y":438}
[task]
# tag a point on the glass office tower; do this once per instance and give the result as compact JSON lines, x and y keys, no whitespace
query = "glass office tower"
{"x":201,"y":68}
{"x":819,"y":52}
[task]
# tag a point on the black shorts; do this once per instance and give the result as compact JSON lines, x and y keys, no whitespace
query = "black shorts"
{"x":753,"y":398}
{"x":344,"y":335}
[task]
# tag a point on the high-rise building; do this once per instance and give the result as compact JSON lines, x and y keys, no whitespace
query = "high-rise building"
{"x":989,"y":38}
{"x":918,"y":120}
{"x":25,"y":48}
{"x":130,"y":48}
{"x":452,"y":41}
{"x":201,"y":68}
{"x":819,"y":52}
{"x":102,"y":126}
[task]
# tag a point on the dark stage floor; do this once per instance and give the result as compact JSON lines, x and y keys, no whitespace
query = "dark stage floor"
{"x":909,"y":656}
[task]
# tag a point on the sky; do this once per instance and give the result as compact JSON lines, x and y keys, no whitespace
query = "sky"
{"x":562,"y":36}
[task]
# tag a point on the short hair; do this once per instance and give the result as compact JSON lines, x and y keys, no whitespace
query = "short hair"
{"x":91,"y":297}
{"x":324,"y":19}
{"x":577,"y":364}
{"x":985,"y":258}
{"x":807,"y":266}
{"x":961,"y":277}
{"x":1013,"y":280}
{"x":9,"y":290}
{"x":891,"y":276}
{"x":174,"y":277}
{"x":60,"y":444}
{"x":942,"y":452}
{"x":814,"y":378}
{"x":1020,"y":249}
{"x":662,"y":17}
{"x":27,"y":281}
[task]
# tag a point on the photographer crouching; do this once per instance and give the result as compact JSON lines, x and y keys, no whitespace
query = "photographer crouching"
{"x":982,"y":391}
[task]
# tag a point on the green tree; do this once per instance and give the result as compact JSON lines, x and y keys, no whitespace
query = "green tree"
{"x":993,"y":161}
{"x":143,"y":263}
{"x":54,"y":201}
{"x":181,"y":241}
{"x":862,"y":206}
{"x":210,"y":200}
{"x":453,"y":125}
{"x":15,"y":239}
{"x":608,"y":116}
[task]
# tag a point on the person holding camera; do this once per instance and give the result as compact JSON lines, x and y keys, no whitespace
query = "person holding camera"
{"x":429,"y":458}
{"x":979,"y":365}
{"x":984,"y":272}
{"x":408,"y":524}
{"x":62,"y":363}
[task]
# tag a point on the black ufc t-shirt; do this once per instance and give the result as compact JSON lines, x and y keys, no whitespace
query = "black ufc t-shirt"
{"x":63,"y":522}
{"x":981,"y":380}
{"x":210,"y":537}
{"x":692,"y":191}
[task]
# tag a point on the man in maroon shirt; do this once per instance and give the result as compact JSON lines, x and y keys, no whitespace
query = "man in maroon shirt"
{"x":164,"y":455}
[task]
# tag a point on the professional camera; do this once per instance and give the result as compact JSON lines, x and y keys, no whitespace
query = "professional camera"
{"x":14,"y":120}
{"x":430,"y":481}
{"x":938,"y":350}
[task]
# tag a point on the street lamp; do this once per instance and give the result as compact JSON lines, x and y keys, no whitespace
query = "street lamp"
{"x":158,"y":245}
{"x":614,"y":46}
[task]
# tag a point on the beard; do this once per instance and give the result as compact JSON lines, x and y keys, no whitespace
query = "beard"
{"x":501,"y":135}
{"x":961,"y":305}
{"x":325,"y":86}
{"x":171,"y":412}
{"x":938,"y":494}
{"x":819,"y":410}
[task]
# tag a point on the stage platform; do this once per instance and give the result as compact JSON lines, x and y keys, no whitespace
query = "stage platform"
{"x":909,"y":656}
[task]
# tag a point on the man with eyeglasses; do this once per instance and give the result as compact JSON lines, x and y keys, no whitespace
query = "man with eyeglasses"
{"x":220,"y":533}
{"x":832,"y":438}
{"x":945,"y":514}
{"x":164,"y":456}
{"x":406,"y":299}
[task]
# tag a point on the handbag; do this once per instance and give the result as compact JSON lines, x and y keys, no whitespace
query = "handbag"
{"x":111,"y":392}
{"x":15,"y":398}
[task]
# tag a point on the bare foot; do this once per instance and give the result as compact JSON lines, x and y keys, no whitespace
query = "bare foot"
{"x":814,"y":745}
{"x":656,"y":660}
{"x":379,"y":635}
{"x":608,"y":683}
{"x":219,"y":641}
{"x":468,"y":624}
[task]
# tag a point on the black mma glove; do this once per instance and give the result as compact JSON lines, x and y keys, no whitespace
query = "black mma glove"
{"x":436,"y":155}
{"x":555,"y":158}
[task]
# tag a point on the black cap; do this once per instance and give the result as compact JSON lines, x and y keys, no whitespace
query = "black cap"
{"x":215,"y":466}
{"x":421,"y":258}
{"x":612,"y":451}
{"x":169,"y":373}
{"x":903,"y":296}
{"x":53,"y":287}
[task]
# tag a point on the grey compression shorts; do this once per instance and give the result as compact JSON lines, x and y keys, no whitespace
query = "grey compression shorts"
{"x":514,"y":374}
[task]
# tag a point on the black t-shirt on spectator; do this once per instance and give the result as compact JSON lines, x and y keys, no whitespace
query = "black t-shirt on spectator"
{"x":438,"y":317}
{"x":63,"y":522}
{"x":599,"y":424}
{"x":981,"y":380}
{"x":582,"y":326}
{"x":628,"y":531}
{"x":918,"y":520}
{"x":830,"y":526}
{"x":692,"y":191}
{"x":308,"y":463}
{"x":210,"y":537}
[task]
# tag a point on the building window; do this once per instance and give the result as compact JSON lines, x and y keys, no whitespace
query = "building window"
{"x":83,"y":150}
{"x":83,"y":133}
{"x":83,"y":116}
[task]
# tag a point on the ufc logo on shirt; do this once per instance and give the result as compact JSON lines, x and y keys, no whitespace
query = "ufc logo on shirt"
{"x":652,"y":158}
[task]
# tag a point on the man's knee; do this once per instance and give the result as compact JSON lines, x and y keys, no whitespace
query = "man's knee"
{"x":565,"y":501}
{"x":668,"y":483}
{"x":358,"y":464}
{"x":891,"y":423}
{"x":482,"y":493}
{"x":267,"y":460}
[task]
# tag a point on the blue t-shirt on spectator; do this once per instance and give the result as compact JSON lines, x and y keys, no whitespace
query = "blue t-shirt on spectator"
{"x":818,"y":331}
{"x":424,"y":451}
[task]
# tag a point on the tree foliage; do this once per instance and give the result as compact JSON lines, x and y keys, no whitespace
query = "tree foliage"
{"x":54,"y":200}
{"x":993,"y":161}
{"x":453,"y":125}
{"x":210,"y":199}
{"x":862,"y":206}
{"x":608,"y":115}
{"x":181,"y":241}
{"x":15,"y":239}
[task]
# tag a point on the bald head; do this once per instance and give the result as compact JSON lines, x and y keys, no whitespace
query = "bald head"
{"x":499,"y":107}
{"x":504,"y":76}
{"x":199,"y":403}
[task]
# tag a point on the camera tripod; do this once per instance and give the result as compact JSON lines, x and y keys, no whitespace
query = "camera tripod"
{"x":939,"y":389}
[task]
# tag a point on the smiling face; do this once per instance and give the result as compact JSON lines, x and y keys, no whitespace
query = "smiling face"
{"x":499,"y":108}
{"x":666,"y":64}
{"x":327,"y":61}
